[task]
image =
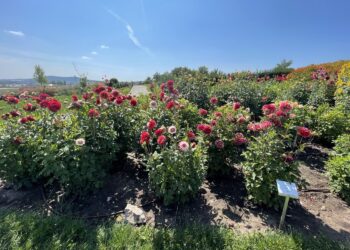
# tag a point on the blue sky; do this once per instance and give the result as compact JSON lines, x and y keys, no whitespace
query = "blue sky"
{"x":136,"y":38}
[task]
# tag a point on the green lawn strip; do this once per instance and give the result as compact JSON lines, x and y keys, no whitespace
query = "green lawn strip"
{"x":34,"y":231}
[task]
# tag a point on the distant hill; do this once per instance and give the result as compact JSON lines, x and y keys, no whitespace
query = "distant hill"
{"x":69,"y":80}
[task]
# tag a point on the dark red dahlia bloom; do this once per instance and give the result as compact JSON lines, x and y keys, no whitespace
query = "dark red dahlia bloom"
{"x":144,"y":137}
{"x":151,"y":124}
{"x":285,"y":106}
{"x":98,"y":101}
{"x":133,"y":102}
{"x":44,"y":103}
{"x":241,"y":120}
{"x":304,"y":132}
{"x":87,"y":96}
{"x":269,"y":108}
{"x":191,"y":135}
{"x":29,"y":107}
{"x":74,"y":98}
{"x":239,"y":139}
{"x":170,"y":104}
{"x":54,"y":105}
{"x":99,"y":89}
{"x":161,"y":140}
{"x":205,"y":128}
{"x":30,"y":118}
{"x":288,"y":158}
{"x":219,"y":144}
{"x":119,"y":100}
{"x":23,"y":120}
{"x":202,"y":112}
{"x":162,"y":86}
{"x":159,"y":131}
{"x":214,"y":100}
{"x":109,"y":89}
{"x":161,"y":96}
{"x":43,"y":96}
{"x":236,"y":105}
{"x":104,"y":94}
{"x":280,"y":113}
{"x":115,"y":93}
{"x":213,"y":122}
{"x":12,"y":100}
{"x":218,"y":114}
{"x":93,"y":113}
{"x":15,"y":113}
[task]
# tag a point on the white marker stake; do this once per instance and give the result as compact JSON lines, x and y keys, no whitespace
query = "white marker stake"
{"x":288,"y":190}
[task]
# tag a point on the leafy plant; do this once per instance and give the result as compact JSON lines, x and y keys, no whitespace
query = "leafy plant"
{"x":266,"y":160}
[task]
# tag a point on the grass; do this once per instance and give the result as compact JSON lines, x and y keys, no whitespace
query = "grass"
{"x":34,"y":231}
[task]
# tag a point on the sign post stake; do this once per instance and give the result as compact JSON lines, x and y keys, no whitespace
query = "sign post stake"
{"x":287,"y":190}
{"x":284,"y":212}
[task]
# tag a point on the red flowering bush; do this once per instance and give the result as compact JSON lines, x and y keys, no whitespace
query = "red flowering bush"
{"x":169,"y":156}
{"x":225,"y":137}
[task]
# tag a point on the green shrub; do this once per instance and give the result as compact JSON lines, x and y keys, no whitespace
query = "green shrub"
{"x":331,"y":122}
{"x":264,"y":164}
{"x":338,"y":168}
{"x":342,"y":144}
{"x":176,"y":176}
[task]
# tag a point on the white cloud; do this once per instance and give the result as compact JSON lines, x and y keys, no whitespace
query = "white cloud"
{"x":94,"y":53}
{"x":104,"y":46}
{"x":15,"y":33}
{"x":131,"y":32}
{"x":85,"y":58}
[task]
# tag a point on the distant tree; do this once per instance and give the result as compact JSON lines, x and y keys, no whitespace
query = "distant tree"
{"x":39,"y":76}
{"x":113,"y":82}
{"x":203,"y":70}
{"x":83,"y":82}
{"x":283,"y":66}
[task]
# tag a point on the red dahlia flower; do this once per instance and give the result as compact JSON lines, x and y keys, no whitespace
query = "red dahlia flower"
{"x":43,"y":96}
{"x":191,"y":135}
{"x":161,"y":140}
{"x":151,"y":124}
{"x":44,"y":103}
{"x":159,"y":131}
{"x":93,"y":113}
{"x":23,"y":120}
{"x":12,"y":99}
{"x":241,"y":119}
{"x":109,"y":89}
{"x":213,"y":122}
{"x":269,"y":108}
{"x":98,"y":101}
{"x":115,"y":93}
{"x":280,"y":113}
{"x":145,"y":137}
{"x":239,"y":139}
{"x":133,"y":102}
{"x":54,"y":105}
{"x":304,"y":132}
{"x":104,"y":94}
{"x":236,"y":105}
{"x":218,"y":114}
{"x":15,"y":113}
{"x":170,"y":104}
{"x":99,"y":89}
{"x":214,"y":100}
{"x":30,"y":118}
{"x":219,"y":144}
{"x":74,"y":98}
{"x":285,"y":106}
{"x":29,"y":107}
{"x":202,"y":112}
{"x":205,"y":128}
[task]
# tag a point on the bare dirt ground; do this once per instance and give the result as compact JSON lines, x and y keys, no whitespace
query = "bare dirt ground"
{"x":220,"y":202}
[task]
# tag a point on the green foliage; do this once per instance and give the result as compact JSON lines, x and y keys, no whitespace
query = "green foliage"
{"x":331,"y":122}
{"x":342,"y":144}
{"x":338,"y":168}
{"x":176,"y":176}
{"x":263,"y":165}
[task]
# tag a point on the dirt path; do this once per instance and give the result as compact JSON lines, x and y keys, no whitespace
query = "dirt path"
{"x":219,"y":202}
{"x":138,"y":90}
